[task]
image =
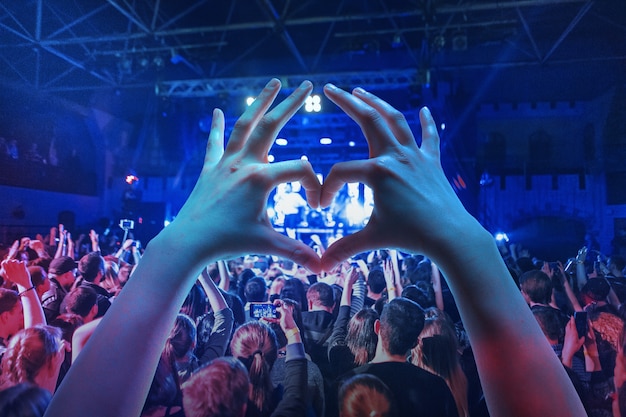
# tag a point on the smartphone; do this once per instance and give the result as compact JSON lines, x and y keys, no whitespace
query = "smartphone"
{"x":262,"y":310}
{"x":580,"y":318}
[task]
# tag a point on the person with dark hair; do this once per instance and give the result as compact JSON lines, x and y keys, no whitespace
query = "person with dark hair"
{"x":40,"y":280}
{"x":376,"y":284}
{"x":438,"y":352}
{"x":294,"y":290}
{"x":318,"y":325}
{"x":353,"y":341}
{"x":91,"y":268}
{"x":536,"y":288}
{"x":416,"y":211}
{"x":24,"y":400}
{"x":255,"y":292}
{"x":366,"y":396}
{"x":594,"y":296}
{"x":417,"y":392}
{"x":61,"y":275}
{"x":82,"y":301}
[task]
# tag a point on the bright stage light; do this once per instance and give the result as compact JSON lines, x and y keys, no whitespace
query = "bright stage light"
{"x":270,"y":158}
{"x":304,"y":158}
{"x":250,"y":100}
{"x":502,"y":237}
{"x":281,"y":142}
{"x":313,"y":104}
{"x":351,"y":144}
{"x":326,"y":141}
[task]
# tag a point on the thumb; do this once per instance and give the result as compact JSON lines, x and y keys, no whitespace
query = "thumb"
{"x":346,"y":247}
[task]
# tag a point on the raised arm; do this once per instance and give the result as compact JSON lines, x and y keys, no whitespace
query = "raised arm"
{"x":417,"y":210}
{"x":113,"y":373}
{"x":17,"y":272}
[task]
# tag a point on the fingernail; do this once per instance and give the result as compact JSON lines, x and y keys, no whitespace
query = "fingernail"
{"x":331,"y":87}
{"x":359,"y":90}
{"x":305,"y":85}
{"x":273,"y":83}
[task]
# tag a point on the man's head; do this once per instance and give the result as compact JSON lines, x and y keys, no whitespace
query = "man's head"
{"x":91,"y":267}
{"x":536,"y":287}
{"x":376,"y":281}
{"x":596,"y":289}
{"x":220,"y":389}
{"x":320,"y":296}
{"x":256,"y":290}
{"x":84,"y":302}
{"x":11,"y":313}
{"x":401,"y":322}
{"x":62,"y":269}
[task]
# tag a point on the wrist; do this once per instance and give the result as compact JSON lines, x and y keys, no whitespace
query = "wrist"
{"x":24,"y":290}
{"x":293,"y":335}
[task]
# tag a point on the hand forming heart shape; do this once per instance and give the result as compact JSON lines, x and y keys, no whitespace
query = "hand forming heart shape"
{"x":411,"y":192}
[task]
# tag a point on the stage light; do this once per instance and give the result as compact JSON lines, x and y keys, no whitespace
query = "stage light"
{"x":270,"y":158}
{"x":443,"y":126}
{"x":326,"y":141}
{"x":281,"y":142}
{"x":304,"y":158}
{"x":501,"y":237}
{"x":313,"y":104}
{"x":250,"y":100}
{"x":131,"y":179}
{"x":166,"y":223}
{"x":351,"y":144}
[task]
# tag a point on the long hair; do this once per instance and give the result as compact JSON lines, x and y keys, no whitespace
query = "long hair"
{"x":361,"y":338}
{"x":28,"y":352}
{"x":254,"y":344}
{"x":438,"y":352}
{"x":195,"y":304}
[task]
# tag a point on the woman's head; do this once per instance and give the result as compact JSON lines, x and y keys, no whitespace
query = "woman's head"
{"x":196,"y":303}
{"x":254,"y":344}
{"x":32,"y":354}
{"x":365,"y":396}
{"x":437,"y":349}
{"x":182,"y":338}
{"x":361,"y":338}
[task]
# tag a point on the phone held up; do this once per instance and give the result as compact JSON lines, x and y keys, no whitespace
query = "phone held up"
{"x":580,"y":318}
{"x":263,"y":311}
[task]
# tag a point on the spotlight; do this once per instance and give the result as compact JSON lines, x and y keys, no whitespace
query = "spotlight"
{"x":501,"y":237}
{"x":351,"y":144}
{"x":270,"y":158}
{"x":326,"y":141}
{"x":443,"y":126}
{"x":281,"y":142}
{"x":304,"y":158}
{"x":250,"y":100}
{"x":313,"y":104}
{"x":131,"y":179}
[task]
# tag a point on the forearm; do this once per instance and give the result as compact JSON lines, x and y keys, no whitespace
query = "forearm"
{"x":571,"y":296}
{"x":436,"y":281}
{"x":33,"y":312}
{"x":497,"y":318}
{"x":224,"y":277}
{"x":143,"y":312}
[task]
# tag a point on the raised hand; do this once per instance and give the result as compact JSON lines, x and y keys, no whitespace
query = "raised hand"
{"x":17,"y":273}
{"x":415,"y":208}
{"x":229,"y":199}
